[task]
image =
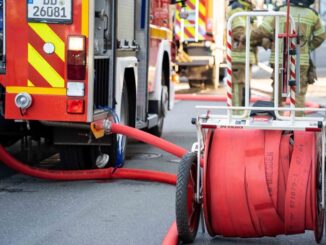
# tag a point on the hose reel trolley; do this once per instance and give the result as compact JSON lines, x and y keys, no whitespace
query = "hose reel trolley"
{"x":261,"y":173}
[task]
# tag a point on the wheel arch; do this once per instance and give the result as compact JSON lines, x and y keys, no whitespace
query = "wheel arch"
{"x":130,"y":82}
{"x":166,"y":69}
{"x":126,"y":73}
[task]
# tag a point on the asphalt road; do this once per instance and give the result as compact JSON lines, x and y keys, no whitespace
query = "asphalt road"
{"x":37,"y":212}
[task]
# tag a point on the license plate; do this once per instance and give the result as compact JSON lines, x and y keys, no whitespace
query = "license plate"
{"x":49,"y":11}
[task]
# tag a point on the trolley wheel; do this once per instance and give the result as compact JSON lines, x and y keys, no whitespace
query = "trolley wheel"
{"x":187,"y":209}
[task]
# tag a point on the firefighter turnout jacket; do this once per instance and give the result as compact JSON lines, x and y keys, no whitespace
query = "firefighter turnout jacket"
{"x":311,"y":31}
{"x":238,"y":34}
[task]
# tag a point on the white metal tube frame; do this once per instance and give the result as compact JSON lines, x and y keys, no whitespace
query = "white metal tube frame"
{"x":249,"y":15}
{"x":211,"y":121}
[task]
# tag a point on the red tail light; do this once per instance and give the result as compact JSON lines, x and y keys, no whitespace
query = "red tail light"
{"x":76,"y":58}
{"x":75,"y":106}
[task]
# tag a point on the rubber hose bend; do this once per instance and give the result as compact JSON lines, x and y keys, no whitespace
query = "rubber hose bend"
{"x":149,"y":139}
{"x":108,"y":173}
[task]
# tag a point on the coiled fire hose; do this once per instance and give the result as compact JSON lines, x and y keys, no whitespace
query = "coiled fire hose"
{"x":108,"y":173}
{"x":269,"y":187}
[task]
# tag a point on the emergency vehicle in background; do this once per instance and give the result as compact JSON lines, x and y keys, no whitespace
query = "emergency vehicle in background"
{"x":200,"y":37}
{"x":68,"y":63}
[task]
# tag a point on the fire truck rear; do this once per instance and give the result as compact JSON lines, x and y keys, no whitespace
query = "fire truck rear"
{"x":199,"y":32}
{"x":67,"y":63}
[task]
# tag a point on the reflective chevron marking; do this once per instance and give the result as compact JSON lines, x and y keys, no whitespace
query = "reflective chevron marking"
{"x":44,"y":69}
{"x":48,"y":35}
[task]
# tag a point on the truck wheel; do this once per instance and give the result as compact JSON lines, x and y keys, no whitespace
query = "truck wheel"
{"x":163,"y":107}
{"x":73,"y":157}
{"x":119,"y":141}
{"x":187,"y":209}
{"x":161,"y":110}
{"x":125,"y":120}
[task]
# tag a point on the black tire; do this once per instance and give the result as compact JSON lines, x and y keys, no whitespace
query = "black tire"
{"x":187,"y":209}
{"x":73,"y":157}
{"x":162,"y":108}
{"x":124,"y":118}
{"x":163,"y":105}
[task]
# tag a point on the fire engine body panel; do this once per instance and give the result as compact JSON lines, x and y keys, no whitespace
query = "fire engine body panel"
{"x":30,"y":69}
{"x":64,"y":67}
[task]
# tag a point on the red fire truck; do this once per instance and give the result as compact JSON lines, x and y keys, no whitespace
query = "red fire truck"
{"x":67,"y":63}
{"x":200,"y":38}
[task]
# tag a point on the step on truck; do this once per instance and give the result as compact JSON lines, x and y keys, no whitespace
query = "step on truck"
{"x":67,"y":63}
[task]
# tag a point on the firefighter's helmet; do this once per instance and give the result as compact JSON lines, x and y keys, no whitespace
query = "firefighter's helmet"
{"x":305,"y":3}
{"x":246,"y":4}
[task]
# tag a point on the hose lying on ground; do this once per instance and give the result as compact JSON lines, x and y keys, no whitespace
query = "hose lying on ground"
{"x":62,"y":175}
{"x":108,"y":173}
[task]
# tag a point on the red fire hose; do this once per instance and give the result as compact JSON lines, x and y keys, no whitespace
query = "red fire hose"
{"x":109,"y":173}
{"x":149,"y":139}
{"x":268,"y":188}
{"x":171,"y":237}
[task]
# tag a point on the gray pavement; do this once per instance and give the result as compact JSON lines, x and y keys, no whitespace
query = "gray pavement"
{"x":35,"y":211}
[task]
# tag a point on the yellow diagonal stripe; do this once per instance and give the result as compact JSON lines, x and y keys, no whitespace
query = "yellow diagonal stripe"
{"x":48,"y":35}
{"x":193,"y":2}
{"x":43,"y":67}
{"x":192,"y":31}
{"x":202,"y":9}
{"x":30,"y":84}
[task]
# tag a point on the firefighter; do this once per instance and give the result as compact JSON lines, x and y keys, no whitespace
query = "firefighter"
{"x":238,"y":50}
{"x":311,"y":34}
